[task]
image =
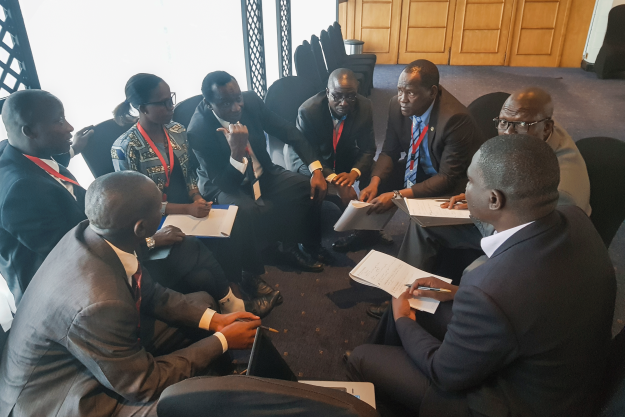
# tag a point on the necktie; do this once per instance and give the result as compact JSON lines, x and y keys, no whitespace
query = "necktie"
{"x":251,"y":178}
{"x":136,"y":294}
{"x":412,"y":159}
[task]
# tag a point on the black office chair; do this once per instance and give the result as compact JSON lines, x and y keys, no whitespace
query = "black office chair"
{"x":185,"y":109}
{"x":484,"y":109}
{"x":334,"y":62}
{"x":97,"y":153}
{"x":336,"y":36}
{"x":306,"y":67}
{"x":248,"y":396}
{"x":3,"y":144}
{"x":284,"y":97}
{"x":611,"y":401}
{"x":611,"y":58}
{"x":323,"y":70}
{"x":604,"y":159}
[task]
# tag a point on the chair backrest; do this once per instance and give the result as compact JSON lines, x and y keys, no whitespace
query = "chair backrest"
{"x":247,"y":396}
{"x":286,"y":94}
{"x":3,"y":144}
{"x":319,"y":59}
{"x":605,"y":161}
{"x":185,"y":109}
{"x":336,"y":37}
{"x":97,"y":153}
{"x":305,"y":65}
{"x":328,"y":51}
{"x":611,"y":401}
{"x":615,"y":34}
{"x":484,"y":109}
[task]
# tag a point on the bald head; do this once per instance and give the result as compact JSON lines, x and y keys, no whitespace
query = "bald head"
{"x":116,"y":202}
{"x":529,"y":105}
{"x":342,"y":90}
{"x":342,"y":78}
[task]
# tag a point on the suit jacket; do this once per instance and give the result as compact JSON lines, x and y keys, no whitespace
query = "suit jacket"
{"x":35,"y":212}
{"x":73,"y":348}
{"x":528,"y":336}
{"x":356,"y":147}
{"x":215,"y":173}
{"x":453,"y":138}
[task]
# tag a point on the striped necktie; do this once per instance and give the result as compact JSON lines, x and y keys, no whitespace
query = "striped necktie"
{"x":410,"y":177}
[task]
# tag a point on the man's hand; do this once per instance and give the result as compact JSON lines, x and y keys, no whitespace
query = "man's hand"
{"x":167,"y":236}
{"x":345,"y":179}
{"x":433,"y":283}
{"x":220,"y":321}
{"x":401,"y":307}
{"x":237,"y":137}
{"x":240,"y":334}
{"x":369,"y":193}
{"x":81,"y":138}
{"x":318,"y":186}
{"x":346,"y":194}
{"x":199,"y":208}
{"x":381,"y":204}
{"x":460,"y":199}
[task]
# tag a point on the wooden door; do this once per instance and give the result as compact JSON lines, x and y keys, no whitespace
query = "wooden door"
{"x":539,"y":31}
{"x":481,"y":32}
{"x":377,"y":24}
{"x":426,"y":30}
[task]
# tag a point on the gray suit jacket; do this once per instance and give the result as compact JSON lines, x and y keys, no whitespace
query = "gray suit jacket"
{"x":73,"y":348}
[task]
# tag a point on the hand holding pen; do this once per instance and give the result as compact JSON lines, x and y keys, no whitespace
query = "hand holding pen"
{"x":431,"y":287}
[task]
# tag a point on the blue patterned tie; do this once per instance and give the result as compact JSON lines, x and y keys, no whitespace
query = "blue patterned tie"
{"x":411,"y":175}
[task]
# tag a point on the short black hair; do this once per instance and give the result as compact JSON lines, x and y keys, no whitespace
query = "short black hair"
{"x":20,"y":109}
{"x":522,"y":167}
{"x":427,"y":71}
{"x":218,"y":78}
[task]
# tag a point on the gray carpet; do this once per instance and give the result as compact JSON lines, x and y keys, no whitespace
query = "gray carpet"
{"x":324,"y":314}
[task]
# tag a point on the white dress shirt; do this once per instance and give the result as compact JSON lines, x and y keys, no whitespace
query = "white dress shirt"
{"x":131,"y":264}
{"x":330,"y":177}
{"x":491,"y":243}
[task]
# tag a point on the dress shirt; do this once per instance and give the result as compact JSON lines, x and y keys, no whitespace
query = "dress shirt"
{"x":55,"y":166}
{"x":258,"y":168}
{"x":131,"y":264}
{"x":335,"y":121}
{"x":424,"y":151}
{"x":491,"y":243}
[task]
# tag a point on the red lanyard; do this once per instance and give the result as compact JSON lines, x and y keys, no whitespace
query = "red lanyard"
{"x":336,"y":136}
{"x":169,"y":170}
{"x":50,"y":170}
{"x":415,"y":146}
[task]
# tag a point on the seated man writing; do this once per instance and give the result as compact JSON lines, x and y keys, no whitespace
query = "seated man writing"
{"x":227,"y":134}
{"x":338,"y":124}
{"x":89,"y":337}
{"x":526,"y":336}
{"x":438,"y":136}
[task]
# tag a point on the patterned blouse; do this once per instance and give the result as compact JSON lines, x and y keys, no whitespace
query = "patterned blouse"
{"x":132,"y":152}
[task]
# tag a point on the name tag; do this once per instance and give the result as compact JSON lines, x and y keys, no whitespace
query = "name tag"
{"x":256,"y":187}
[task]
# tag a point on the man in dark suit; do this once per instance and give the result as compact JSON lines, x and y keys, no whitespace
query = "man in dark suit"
{"x":526,"y":335}
{"x":439,"y":137}
{"x":86,"y":340}
{"x":338,"y":124}
{"x":227,"y":134}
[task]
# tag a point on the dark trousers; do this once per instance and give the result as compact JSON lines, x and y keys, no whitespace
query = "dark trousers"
{"x":401,"y":388}
{"x":287,"y":213}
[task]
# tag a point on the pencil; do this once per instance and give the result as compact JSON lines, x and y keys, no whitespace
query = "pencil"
{"x":429,"y":288}
{"x":269,"y":329}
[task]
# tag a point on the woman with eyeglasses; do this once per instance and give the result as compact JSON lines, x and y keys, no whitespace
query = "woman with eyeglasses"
{"x":157,"y":147}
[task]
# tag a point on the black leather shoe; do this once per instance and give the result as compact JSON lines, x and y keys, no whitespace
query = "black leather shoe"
{"x":262,"y":306}
{"x":295,"y":257}
{"x":346,"y":355}
{"x":362,"y":239}
{"x":318,"y":252}
{"x":254,"y":286}
{"x":377,"y":311}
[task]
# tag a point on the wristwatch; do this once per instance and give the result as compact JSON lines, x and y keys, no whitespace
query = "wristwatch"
{"x":396,"y":194}
{"x":150,"y":242}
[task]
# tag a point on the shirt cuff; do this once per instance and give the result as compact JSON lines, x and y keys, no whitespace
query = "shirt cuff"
{"x":72,"y":153}
{"x":240,"y":166}
{"x":314,"y":166}
{"x":222,"y":339}
{"x":330,"y":177}
{"x":205,"y":321}
{"x":357,"y":172}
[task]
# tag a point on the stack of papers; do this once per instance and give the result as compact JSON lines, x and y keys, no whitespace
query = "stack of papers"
{"x":218,"y":223}
{"x":428,"y":212}
{"x":383,"y":271}
{"x":355,"y":217}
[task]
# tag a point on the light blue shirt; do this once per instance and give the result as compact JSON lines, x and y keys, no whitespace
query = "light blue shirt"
{"x":424,"y":151}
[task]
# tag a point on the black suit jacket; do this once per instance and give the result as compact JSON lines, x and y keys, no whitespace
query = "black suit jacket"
{"x":73,"y":348}
{"x":530,"y":327}
{"x":215,"y":173}
{"x":453,"y":138}
{"x":35,"y":212}
{"x":356,"y":147}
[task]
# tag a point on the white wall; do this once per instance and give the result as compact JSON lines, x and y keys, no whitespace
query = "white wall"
{"x":598,"y":26}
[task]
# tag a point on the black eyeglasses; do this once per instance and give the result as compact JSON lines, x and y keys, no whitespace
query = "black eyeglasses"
{"x":169,"y":103}
{"x":338,"y":97}
{"x":519,"y":127}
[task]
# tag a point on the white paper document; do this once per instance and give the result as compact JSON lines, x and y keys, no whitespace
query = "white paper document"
{"x":383,"y":271}
{"x":218,"y":223}
{"x":428,"y":212}
{"x":355,"y":217}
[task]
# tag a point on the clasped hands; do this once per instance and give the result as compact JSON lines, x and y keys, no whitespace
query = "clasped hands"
{"x":401,"y":305}
{"x":239,"y":329}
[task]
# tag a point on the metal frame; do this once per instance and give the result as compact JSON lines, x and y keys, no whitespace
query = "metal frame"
{"x":283,"y":24}
{"x":16,"y":57}
{"x":254,"y":44}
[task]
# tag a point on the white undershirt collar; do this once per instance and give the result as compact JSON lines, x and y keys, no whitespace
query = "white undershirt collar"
{"x":491,"y":243}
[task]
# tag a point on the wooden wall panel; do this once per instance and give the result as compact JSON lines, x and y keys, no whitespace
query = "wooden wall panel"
{"x":377,"y":24}
{"x":576,"y":32}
